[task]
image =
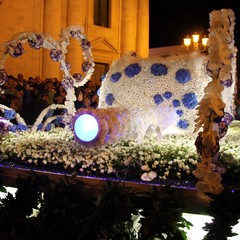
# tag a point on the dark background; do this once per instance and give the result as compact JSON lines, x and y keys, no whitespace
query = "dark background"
{"x":172,"y":20}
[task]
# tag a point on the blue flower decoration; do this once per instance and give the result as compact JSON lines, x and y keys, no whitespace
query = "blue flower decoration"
{"x":56,"y":55}
{"x":227,"y":83}
{"x":58,"y":120}
{"x":103,"y":77}
{"x":176,"y":103}
{"x":132,"y":70}
{"x":109,"y":99}
{"x":49,"y":113}
{"x":9,"y":114}
{"x":158,"y":99}
{"x":183,"y":124}
{"x":228,"y":118}
{"x":179,"y":112}
{"x":183,"y":75}
{"x":189,"y":100}
{"x":159,"y":69}
{"x":48,"y":127}
{"x":13,"y":128}
{"x":39,"y":127}
{"x":22,"y":127}
{"x":115,"y":77}
{"x":167,"y":95}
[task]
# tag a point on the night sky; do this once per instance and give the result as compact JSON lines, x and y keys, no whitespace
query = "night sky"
{"x":172,"y":20}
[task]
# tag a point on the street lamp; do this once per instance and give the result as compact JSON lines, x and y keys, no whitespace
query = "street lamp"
{"x":193,"y":43}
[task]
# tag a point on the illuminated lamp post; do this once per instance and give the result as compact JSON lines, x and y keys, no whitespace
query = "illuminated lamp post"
{"x":192,"y":44}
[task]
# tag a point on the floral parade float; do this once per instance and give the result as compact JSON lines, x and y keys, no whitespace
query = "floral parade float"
{"x":145,"y":127}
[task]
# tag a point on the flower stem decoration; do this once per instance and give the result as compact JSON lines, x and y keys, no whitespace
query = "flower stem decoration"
{"x":211,"y":107}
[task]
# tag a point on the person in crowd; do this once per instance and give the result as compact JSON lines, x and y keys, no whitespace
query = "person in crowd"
{"x":79,"y":102}
{"x":39,"y":103}
{"x":50,"y":89}
{"x":18,"y":93}
{"x":27,"y":101}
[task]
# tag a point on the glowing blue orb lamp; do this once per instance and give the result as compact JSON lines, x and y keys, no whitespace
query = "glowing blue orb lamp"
{"x":86,"y":127}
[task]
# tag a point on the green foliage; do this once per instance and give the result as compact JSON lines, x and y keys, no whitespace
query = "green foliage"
{"x":162,"y":216}
{"x":2,"y":188}
{"x":225,"y":212}
{"x":70,"y":209}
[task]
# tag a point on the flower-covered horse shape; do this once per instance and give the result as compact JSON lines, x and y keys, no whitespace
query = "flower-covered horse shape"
{"x":160,"y":93}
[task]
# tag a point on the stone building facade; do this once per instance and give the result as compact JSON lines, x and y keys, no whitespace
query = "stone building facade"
{"x":114,"y":27}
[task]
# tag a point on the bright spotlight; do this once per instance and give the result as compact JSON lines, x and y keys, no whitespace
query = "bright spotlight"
{"x":86,"y":127}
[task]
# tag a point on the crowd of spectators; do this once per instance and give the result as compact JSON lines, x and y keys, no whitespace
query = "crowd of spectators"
{"x":29,"y":97}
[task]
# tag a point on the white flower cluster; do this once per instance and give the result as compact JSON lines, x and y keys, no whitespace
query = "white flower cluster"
{"x":230,"y":148}
{"x":174,"y":157}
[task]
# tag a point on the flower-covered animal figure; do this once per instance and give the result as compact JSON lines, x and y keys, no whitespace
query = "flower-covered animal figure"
{"x":160,"y":93}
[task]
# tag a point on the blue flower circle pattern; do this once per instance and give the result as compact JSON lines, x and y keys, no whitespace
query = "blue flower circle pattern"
{"x":167,"y":95}
{"x":183,"y":124}
{"x":183,"y":75}
{"x":159,"y":69}
{"x":132,"y":70}
{"x":115,"y":77}
{"x":179,"y":112}
{"x":158,"y":99}
{"x":9,"y":114}
{"x":176,"y":103}
{"x":109,"y":99}
{"x":189,"y":100}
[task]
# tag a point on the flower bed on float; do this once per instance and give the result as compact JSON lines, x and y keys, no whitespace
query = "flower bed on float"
{"x":130,"y":144}
{"x":173,"y":160}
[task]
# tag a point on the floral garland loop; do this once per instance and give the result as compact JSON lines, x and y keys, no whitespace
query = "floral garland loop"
{"x":58,"y":50}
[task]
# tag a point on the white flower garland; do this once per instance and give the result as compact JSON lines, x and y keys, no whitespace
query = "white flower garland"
{"x":43,"y":114}
{"x":221,"y":64}
{"x":17,"y":116}
{"x":49,"y":43}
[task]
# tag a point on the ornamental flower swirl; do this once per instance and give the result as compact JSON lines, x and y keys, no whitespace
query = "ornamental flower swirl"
{"x":16,"y":51}
{"x":132,"y":70}
{"x":67,"y":83}
{"x":115,"y":77}
{"x":9,"y":114}
{"x":3,"y":76}
{"x":56,"y":55}
{"x":36,"y":42}
{"x":158,"y":69}
{"x":183,"y":76}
